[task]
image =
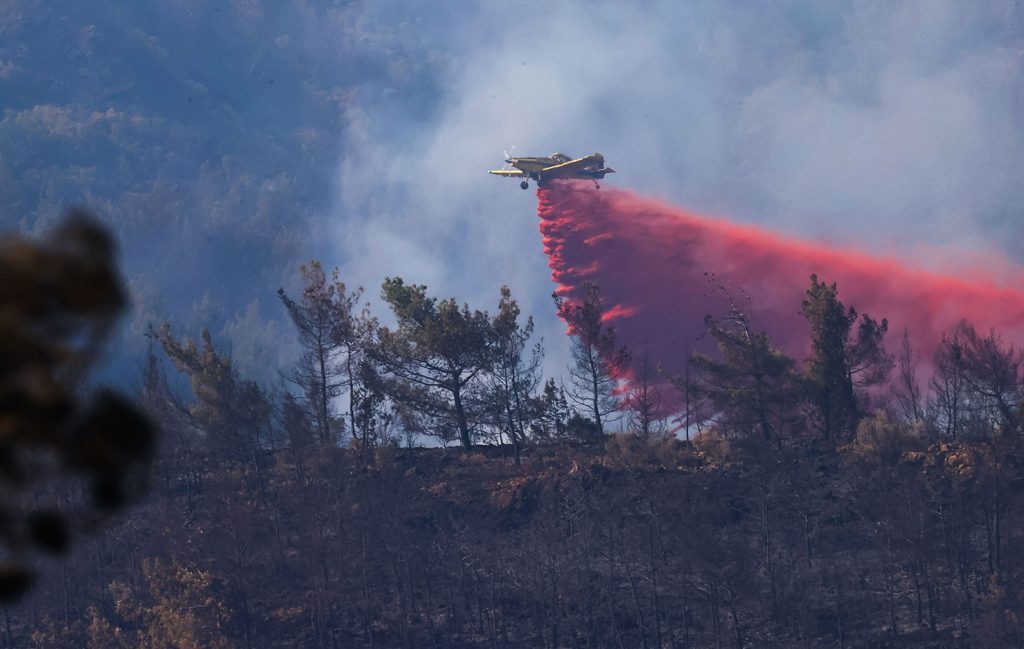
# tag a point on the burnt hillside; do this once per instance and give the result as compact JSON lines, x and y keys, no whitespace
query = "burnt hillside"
{"x":630,"y":544}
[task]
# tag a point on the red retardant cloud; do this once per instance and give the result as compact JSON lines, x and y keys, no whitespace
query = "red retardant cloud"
{"x":652,"y":262}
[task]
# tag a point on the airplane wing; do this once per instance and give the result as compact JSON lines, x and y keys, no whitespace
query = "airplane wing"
{"x":572,"y":165}
{"x":512,"y":173}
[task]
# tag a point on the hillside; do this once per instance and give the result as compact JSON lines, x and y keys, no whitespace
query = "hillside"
{"x":633,"y":544}
{"x":824,"y":505}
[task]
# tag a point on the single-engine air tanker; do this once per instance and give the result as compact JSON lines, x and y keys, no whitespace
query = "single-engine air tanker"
{"x":557,"y":165}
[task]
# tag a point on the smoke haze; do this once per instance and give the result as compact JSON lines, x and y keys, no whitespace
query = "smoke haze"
{"x":892,"y":128}
{"x":227,"y":143}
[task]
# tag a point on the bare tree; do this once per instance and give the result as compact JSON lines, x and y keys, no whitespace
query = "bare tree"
{"x":948,"y":386}
{"x":992,"y":372}
{"x":597,"y":364}
{"x":906,"y":389}
{"x":644,"y":400}
{"x":516,"y":372}
{"x":328,"y":332}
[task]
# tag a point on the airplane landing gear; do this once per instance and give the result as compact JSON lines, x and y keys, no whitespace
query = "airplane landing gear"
{"x":524,"y":185}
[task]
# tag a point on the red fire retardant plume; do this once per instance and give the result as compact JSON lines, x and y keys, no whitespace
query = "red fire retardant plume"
{"x":652,"y":262}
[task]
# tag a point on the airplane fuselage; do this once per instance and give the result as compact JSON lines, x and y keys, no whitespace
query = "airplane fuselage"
{"x":537,"y":165}
{"x":557,"y":165}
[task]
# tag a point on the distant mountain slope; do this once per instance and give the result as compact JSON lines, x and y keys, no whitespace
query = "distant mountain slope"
{"x":206,"y":135}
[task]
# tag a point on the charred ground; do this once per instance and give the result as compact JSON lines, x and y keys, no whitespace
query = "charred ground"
{"x":631,"y":543}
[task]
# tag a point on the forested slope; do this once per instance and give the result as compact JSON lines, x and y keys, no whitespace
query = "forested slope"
{"x":657,"y":544}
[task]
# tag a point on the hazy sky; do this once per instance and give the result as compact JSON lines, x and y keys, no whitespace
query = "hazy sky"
{"x":890,"y":126}
{"x":229,"y":143}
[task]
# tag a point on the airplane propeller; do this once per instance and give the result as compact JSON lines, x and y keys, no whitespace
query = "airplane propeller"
{"x":508,"y":156}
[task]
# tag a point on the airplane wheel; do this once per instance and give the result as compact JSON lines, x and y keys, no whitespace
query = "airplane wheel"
{"x":524,"y":185}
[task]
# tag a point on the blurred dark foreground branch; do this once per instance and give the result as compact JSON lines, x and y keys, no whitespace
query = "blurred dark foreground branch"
{"x":59,"y":301}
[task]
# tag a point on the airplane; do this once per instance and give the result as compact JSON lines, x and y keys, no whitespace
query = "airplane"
{"x":557,"y":165}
